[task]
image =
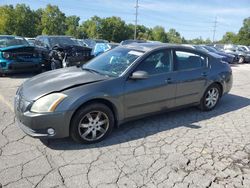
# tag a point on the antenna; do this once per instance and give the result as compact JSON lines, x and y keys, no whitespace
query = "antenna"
{"x":214,"y":30}
{"x":136,"y":16}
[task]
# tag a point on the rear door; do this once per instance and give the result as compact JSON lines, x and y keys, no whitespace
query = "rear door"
{"x":191,"y":76}
{"x":155,"y":93}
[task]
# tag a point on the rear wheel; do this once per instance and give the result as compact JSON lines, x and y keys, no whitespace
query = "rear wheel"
{"x":92,"y":123}
{"x":211,"y":98}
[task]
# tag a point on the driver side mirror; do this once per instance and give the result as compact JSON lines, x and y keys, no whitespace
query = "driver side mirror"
{"x":139,"y":75}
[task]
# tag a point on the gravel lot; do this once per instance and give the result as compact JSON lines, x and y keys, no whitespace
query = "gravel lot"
{"x":185,"y":148}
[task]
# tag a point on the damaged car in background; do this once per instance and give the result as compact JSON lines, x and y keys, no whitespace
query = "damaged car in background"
{"x":61,"y":51}
{"x":16,"y":55}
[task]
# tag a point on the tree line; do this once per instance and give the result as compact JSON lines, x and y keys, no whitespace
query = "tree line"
{"x":22,"y":21}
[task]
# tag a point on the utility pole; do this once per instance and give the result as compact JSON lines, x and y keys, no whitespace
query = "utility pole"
{"x":136,"y":16}
{"x":214,"y":30}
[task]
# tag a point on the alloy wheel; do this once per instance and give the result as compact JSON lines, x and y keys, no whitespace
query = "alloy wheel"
{"x":93,"y":125}
{"x":212,"y":97}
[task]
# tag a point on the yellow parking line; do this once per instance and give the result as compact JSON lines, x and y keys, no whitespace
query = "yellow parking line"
{"x":3,"y":100}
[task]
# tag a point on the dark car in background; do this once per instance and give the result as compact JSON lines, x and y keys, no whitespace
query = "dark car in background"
{"x":16,"y":55}
{"x":125,"y":83}
{"x":61,"y":51}
{"x":244,"y":57}
{"x":226,"y":57}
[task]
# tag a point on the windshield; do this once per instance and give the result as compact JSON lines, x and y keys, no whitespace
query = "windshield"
{"x":114,"y":62}
{"x":62,"y":41}
{"x":6,"y":41}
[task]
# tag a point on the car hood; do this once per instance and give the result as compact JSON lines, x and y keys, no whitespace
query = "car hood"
{"x":56,"y":81}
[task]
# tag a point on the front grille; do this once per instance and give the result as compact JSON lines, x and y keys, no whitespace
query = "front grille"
{"x":25,"y":55}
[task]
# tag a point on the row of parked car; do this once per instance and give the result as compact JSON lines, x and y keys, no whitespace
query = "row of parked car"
{"x":53,"y":52}
{"x":230,"y":53}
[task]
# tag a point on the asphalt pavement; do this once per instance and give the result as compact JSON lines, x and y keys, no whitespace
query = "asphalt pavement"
{"x":185,"y":148}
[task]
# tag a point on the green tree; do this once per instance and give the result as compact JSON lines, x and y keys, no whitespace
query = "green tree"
{"x":53,"y":21}
{"x":91,"y":27}
{"x":72,"y":25}
{"x":25,"y":21}
{"x":244,"y":33}
{"x":113,"y":29}
{"x":174,"y":36}
{"x":38,"y":17}
{"x":159,"y":34}
{"x":7,"y":23}
{"x":143,"y":33}
{"x":229,"y":37}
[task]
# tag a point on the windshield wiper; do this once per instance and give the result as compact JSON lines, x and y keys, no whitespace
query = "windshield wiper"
{"x":95,"y":71}
{"x":92,"y":70}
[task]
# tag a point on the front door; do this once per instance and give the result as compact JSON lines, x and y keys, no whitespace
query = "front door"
{"x":155,"y":93}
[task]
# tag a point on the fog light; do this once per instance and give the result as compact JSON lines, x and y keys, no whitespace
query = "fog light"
{"x":51,"y":131}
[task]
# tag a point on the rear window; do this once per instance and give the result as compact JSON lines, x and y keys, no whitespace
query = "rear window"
{"x":188,"y":60}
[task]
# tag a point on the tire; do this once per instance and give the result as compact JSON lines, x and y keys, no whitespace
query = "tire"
{"x":92,"y":123}
{"x":210,"y":98}
{"x":241,"y":59}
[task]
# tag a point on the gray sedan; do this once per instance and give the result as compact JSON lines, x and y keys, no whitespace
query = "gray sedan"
{"x":128,"y":82}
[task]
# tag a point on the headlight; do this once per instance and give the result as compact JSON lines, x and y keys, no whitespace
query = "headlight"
{"x":6,"y":55}
{"x":48,"y":103}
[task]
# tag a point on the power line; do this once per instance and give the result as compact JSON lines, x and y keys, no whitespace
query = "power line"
{"x":136,"y":16}
{"x":215,"y":25}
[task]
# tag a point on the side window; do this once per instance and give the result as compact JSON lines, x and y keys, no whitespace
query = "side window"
{"x":156,"y":63}
{"x":188,"y":60}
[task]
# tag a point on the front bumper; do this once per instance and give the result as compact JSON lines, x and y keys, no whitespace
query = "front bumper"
{"x":20,"y":67}
{"x":36,"y":125}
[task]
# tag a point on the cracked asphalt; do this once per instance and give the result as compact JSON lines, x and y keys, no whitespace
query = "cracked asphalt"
{"x":185,"y":148}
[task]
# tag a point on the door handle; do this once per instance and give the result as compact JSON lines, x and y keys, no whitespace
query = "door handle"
{"x":168,"y":81}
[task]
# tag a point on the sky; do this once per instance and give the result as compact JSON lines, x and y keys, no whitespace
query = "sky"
{"x":191,"y":18}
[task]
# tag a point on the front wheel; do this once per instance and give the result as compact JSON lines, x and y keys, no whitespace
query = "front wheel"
{"x":92,"y":123}
{"x":210,"y":98}
{"x":241,"y":59}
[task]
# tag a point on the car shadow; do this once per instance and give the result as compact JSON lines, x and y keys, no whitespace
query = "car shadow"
{"x":142,"y":128}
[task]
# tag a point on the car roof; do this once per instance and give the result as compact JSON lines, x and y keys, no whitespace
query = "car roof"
{"x":146,"y":47}
{"x":48,"y":36}
{"x":151,"y":46}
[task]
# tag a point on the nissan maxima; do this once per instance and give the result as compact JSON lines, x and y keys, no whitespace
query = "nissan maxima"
{"x":87,"y":102}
